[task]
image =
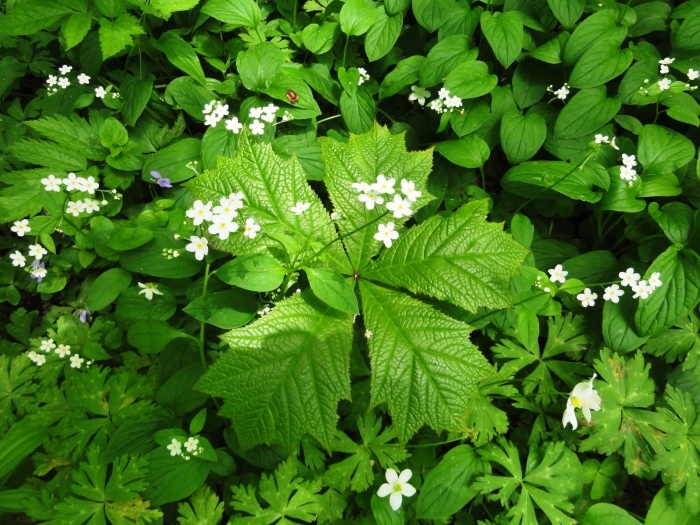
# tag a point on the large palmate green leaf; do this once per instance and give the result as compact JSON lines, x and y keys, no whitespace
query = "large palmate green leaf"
{"x":285,"y":373}
{"x":271,"y":187}
{"x":423,"y":364}
{"x":462,"y":259}
{"x":361,"y":159}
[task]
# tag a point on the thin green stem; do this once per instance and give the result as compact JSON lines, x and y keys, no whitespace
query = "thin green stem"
{"x":345,"y":50}
{"x":341,"y":237}
{"x":386,"y":115}
{"x":435,"y":444}
{"x":201,"y":324}
{"x":483,"y":178}
{"x":327,"y":118}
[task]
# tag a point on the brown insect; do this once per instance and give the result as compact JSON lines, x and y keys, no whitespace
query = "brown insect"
{"x":292,"y":97}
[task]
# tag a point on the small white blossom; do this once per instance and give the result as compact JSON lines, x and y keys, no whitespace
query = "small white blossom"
{"x":211,"y":120}
{"x":629,"y":277}
{"x":655,"y":280}
{"x":47,"y":345}
{"x":664,"y":84}
{"x":92,"y":205}
{"x":18,"y":259}
{"x":400,"y":207}
{"x":199,"y":246}
{"x":63,"y":351}
{"x":236,"y":200}
{"x":300,"y":208}
{"x":384,"y":185}
{"x":89,"y":185}
{"x":63,"y":82}
{"x":692,"y":74}
{"x":53,"y":80}
{"x":269,"y":113}
{"x":37,"y":251}
{"x":199,"y":212}
{"x":32,"y":356}
{"x":418,"y":94}
{"x":558,"y":274}
{"x":641,"y":290}
{"x":40,"y":359}
{"x":208,"y":108}
{"x":443,"y":94}
{"x":667,"y":61}
{"x":361,"y":186}
{"x":587,"y":298}
{"x":191,"y":444}
{"x":663,"y":69}
{"x":175,"y":447}
{"x":396,"y":487}
{"x":149,"y":289}
{"x":51,"y":183}
{"x":386,"y":234}
{"x":226,"y":207}
{"x":408,"y":188}
{"x":233,"y":124}
{"x":368,"y":334}
{"x":255,"y":113}
{"x":585,"y":397}
{"x":613,"y":293}
{"x":629,"y":160}
{"x":65,"y":69}
{"x":72,"y":182}
{"x":562,"y":92}
{"x":370,"y":197}
{"x":83,"y":79}
{"x":453,"y":102}
{"x":602,"y":139}
{"x":287,"y":116}
{"x":100,"y":92}
{"x":38,"y":273}
{"x":250,"y":229}
{"x":221,"y":111}
{"x":628,"y":173}
{"x":76,"y":361}
{"x":21,"y":227}
{"x":257,"y":127}
{"x":73,"y":208}
{"x":223,"y":226}
{"x":115,"y":95}
{"x":436,"y":105}
{"x":264,"y":311}
{"x":364,"y":76}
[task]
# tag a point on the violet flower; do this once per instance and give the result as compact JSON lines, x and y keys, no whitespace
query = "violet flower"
{"x":163,"y":182}
{"x":39,"y":272}
{"x":83,"y":315}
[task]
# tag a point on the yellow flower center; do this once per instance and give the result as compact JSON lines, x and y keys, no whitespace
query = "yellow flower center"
{"x":576,"y":402}
{"x":397,"y":487}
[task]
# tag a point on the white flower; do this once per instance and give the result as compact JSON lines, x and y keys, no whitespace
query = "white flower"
{"x":264,"y":311}
{"x":384,"y":185}
{"x":612,"y":143}
{"x":208,"y":108}
{"x":386,"y":234}
{"x":418,"y":94}
{"x":257,"y":127}
{"x":453,"y":102}
{"x":587,"y":298}
{"x":52,"y":80}
{"x":211,"y":120}
{"x":198,"y":245}
{"x":21,"y":227}
{"x":335,"y":216}
{"x":655,"y":280}
{"x":250,"y":229}
{"x":585,"y":397}
{"x":191,"y":444}
{"x":628,"y":173}
{"x":226,"y":207}
{"x":32,"y":356}
{"x":39,"y":273}
{"x":663,"y":69}
{"x":100,"y":92}
{"x":613,"y":293}
{"x":64,"y":70}
{"x":236,"y":200}
{"x":72,"y":182}
{"x":92,"y":205}
{"x":89,"y":185}
{"x":400,"y":207}
{"x":436,"y":105}
{"x":396,"y":487}
{"x":641,"y":290}
{"x":63,"y":350}
{"x":368,"y":334}
{"x":361,"y":186}
{"x":629,"y":277}
{"x":558,"y":274}
{"x":667,"y":61}
{"x":222,"y":225}
{"x":692,"y":74}
{"x":199,"y":212}
{"x":175,"y":447}
{"x":74,"y":208}
{"x":47,"y":345}
{"x":602,"y":139}
{"x":300,"y":208}
{"x":562,"y":92}
{"x":443,"y":94}
{"x":221,"y":111}
{"x":255,"y":113}
{"x":76,"y":361}
{"x":18,"y":259}
{"x":370,"y":197}
{"x":149,"y":289}
{"x":37,"y":251}
{"x":363,"y":75}
{"x":115,"y":95}
{"x":51,"y":183}
{"x":233,"y":124}
{"x":40,"y":359}
{"x":629,"y":160}
{"x":269,"y":113}
{"x":287,"y":116}
{"x":408,"y":188}
{"x":83,"y":79}
{"x":664,"y":84}
{"x":63,"y":82}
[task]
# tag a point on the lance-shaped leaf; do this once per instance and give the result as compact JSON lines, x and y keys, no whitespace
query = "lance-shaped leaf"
{"x":423,"y":364}
{"x":285,"y":373}
{"x":462,"y":259}
{"x":271,"y":187}
{"x":361,"y":159}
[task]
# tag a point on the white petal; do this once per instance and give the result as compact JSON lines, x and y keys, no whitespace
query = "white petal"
{"x":391,"y":476}
{"x":405,"y":476}
{"x":395,"y":500}
{"x":384,"y":490}
{"x":570,"y":416}
{"x":408,"y":490}
{"x":586,"y":413}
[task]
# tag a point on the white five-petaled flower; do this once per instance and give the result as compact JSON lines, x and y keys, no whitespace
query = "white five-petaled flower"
{"x":663,"y":69}
{"x":233,"y":124}
{"x":667,"y":61}
{"x":587,"y":298}
{"x":72,"y":182}
{"x":47,"y":345}
{"x":400,"y":207}
{"x":223,"y":226}
{"x":602,"y":139}
{"x":83,"y":79}
{"x":191,"y":444}
{"x":89,"y":185}
{"x":208,"y":108}
{"x":386,"y":234}
{"x":562,"y":92}
{"x":628,"y":173}
{"x":52,"y":80}
{"x":226,"y":207}
{"x":370,"y":197}
{"x":300,"y":208}
{"x":641,"y":289}
{"x":18,"y":259}
{"x":236,"y":200}
{"x":199,"y":246}
{"x":408,"y":188}
{"x":437,"y":106}
{"x":21,"y":227}
{"x":74,"y":208}
{"x":175,"y":447}
{"x":40,"y":359}
{"x":629,"y":160}
{"x":363,"y":75}
{"x":63,"y":82}
{"x":37,"y":251}
{"x":91,"y":205}
{"x":453,"y":102}
{"x":63,"y":351}
{"x":443,"y":94}
{"x":557,"y":274}
{"x":257,"y":127}
{"x":38,"y":273}
{"x":149,"y":289}
{"x":250,"y":229}
{"x":664,"y":84}
{"x":361,"y":186}
{"x":396,"y":487}
{"x":76,"y":361}
{"x":418,"y":94}
{"x":629,"y":277}
{"x":51,"y":183}
{"x":100,"y":92}
{"x":221,"y":111}
{"x":211,"y":120}
{"x":384,"y":185}
{"x":199,"y":212}
{"x":613,"y":293}
{"x":655,"y":280}
{"x":585,"y":397}
{"x":65,"y":69}
{"x":255,"y":113}
{"x":269,"y":113}
{"x":692,"y":74}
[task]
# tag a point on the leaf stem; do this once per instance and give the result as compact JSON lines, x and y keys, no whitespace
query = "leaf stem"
{"x":327,"y":118}
{"x":341,"y":237}
{"x":345,"y":50}
{"x":201,"y":323}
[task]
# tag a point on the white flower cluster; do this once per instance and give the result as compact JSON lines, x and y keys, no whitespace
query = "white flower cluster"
{"x":80,"y":184}
{"x":560,"y":93}
{"x":444,"y":103}
{"x":266,"y":310}
{"x":191,"y":446}
{"x":627,"y":171}
{"x":37,"y":269}
{"x":642,"y":289}
{"x":364,"y":76}
{"x":604,"y":139}
{"x":666,"y":82}
{"x":62,"y":351}
{"x":101,"y":92}
{"x":215,"y":111}
{"x":62,"y":81}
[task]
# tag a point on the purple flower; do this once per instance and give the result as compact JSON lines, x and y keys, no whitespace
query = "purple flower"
{"x":39,"y":271}
{"x":83,"y":315}
{"x":36,"y":263}
{"x":164,"y":183}
{"x":155,"y":174}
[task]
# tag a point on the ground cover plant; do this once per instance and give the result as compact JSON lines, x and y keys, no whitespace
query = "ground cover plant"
{"x":326,"y":261}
